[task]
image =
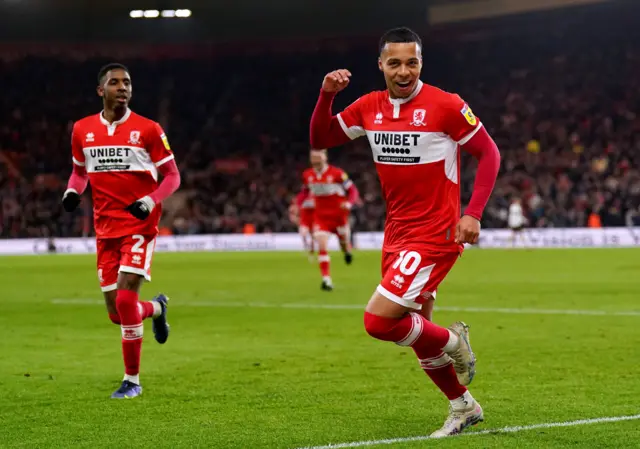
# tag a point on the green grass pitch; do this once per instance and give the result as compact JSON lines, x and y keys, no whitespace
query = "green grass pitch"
{"x":236,"y":375}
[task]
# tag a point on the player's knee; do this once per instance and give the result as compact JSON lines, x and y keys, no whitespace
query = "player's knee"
{"x":115,"y":318}
{"x":323,"y":243}
{"x":129,"y":281}
{"x":379,"y":327}
{"x":110,"y":301}
{"x":126,"y":302}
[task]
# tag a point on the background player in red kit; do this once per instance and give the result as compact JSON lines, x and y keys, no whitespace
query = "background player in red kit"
{"x":415,"y":132}
{"x":334,"y":195}
{"x":121,"y":153}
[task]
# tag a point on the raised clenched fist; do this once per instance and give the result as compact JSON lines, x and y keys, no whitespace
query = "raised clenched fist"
{"x":336,"y":81}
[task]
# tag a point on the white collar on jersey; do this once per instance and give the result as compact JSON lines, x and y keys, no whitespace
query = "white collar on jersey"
{"x":124,"y":118}
{"x":416,"y":91}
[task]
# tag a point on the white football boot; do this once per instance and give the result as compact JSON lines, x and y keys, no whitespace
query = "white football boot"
{"x":458,"y":420}
{"x":464,"y":360}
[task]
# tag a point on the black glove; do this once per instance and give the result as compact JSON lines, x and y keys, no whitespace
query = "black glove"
{"x":70,"y":200}
{"x":141,"y":208}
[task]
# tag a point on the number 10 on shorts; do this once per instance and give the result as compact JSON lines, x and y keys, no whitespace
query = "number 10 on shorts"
{"x":412,"y":275}
{"x":408,"y":262}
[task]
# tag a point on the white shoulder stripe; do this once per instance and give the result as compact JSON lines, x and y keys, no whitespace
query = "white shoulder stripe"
{"x":165,"y":160}
{"x":469,"y":136}
{"x":352,"y":132}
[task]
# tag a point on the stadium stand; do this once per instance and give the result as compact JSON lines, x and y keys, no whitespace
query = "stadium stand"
{"x":565,"y":118}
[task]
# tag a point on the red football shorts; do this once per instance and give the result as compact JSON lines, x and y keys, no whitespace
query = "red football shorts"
{"x":408,"y":276}
{"x":332,"y":224}
{"x":130,"y":254}
{"x":306,"y":219}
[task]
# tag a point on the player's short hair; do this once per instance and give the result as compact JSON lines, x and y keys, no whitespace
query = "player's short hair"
{"x":399,"y":36}
{"x":107,"y":68}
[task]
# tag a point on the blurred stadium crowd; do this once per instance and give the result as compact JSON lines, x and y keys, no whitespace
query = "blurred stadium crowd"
{"x":563,"y":111}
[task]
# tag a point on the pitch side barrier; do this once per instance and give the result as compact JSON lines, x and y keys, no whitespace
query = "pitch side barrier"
{"x":490,"y":238}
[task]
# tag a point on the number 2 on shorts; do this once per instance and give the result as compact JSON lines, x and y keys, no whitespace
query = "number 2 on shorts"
{"x":136,"y":248}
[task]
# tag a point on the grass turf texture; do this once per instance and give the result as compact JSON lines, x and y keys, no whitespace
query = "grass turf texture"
{"x":249,"y":377}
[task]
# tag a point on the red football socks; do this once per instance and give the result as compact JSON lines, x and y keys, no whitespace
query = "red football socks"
{"x":411,"y":330}
{"x":325,"y":260}
{"x":132,"y":330}
{"x":146,"y":309}
{"x":441,"y":371}
{"x":426,"y":339}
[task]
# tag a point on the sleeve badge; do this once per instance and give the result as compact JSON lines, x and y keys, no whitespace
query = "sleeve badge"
{"x":468,"y":115}
{"x":165,"y":141}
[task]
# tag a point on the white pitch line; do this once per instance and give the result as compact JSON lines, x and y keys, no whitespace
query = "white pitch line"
{"x":265,"y":305}
{"x":514,"y":429}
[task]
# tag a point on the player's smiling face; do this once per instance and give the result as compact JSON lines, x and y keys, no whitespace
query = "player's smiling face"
{"x":116,"y":88}
{"x":401,"y":64}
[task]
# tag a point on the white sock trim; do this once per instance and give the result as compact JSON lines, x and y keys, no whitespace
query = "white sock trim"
{"x":135,"y":379}
{"x":453,"y":342}
{"x":415,"y":332}
{"x":435,"y":362}
{"x":134,"y":332}
{"x":464,"y":402}
{"x":157,"y":309}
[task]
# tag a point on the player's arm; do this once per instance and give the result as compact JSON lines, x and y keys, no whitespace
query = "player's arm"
{"x":465,"y":128}
{"x":162,"y":156}
{"x":328,"y":130}
{"x":352,"y":191}
{"x":484,"y":149}
{"x":79,"y":178}
{"x":302,"y":196}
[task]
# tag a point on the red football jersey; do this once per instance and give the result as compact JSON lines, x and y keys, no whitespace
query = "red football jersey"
{"x":121,"y":160}
{"x":415,"y":144}
{"x":329,"y":189}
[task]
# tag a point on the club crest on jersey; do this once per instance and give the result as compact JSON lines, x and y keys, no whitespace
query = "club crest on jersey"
{"x":134,"y":137}
{"x":468,"y":115}
{"x":419,"y":116}
{"x":378,"y":120}
{"x":90,"y":137}
{"x":329,"y":179}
